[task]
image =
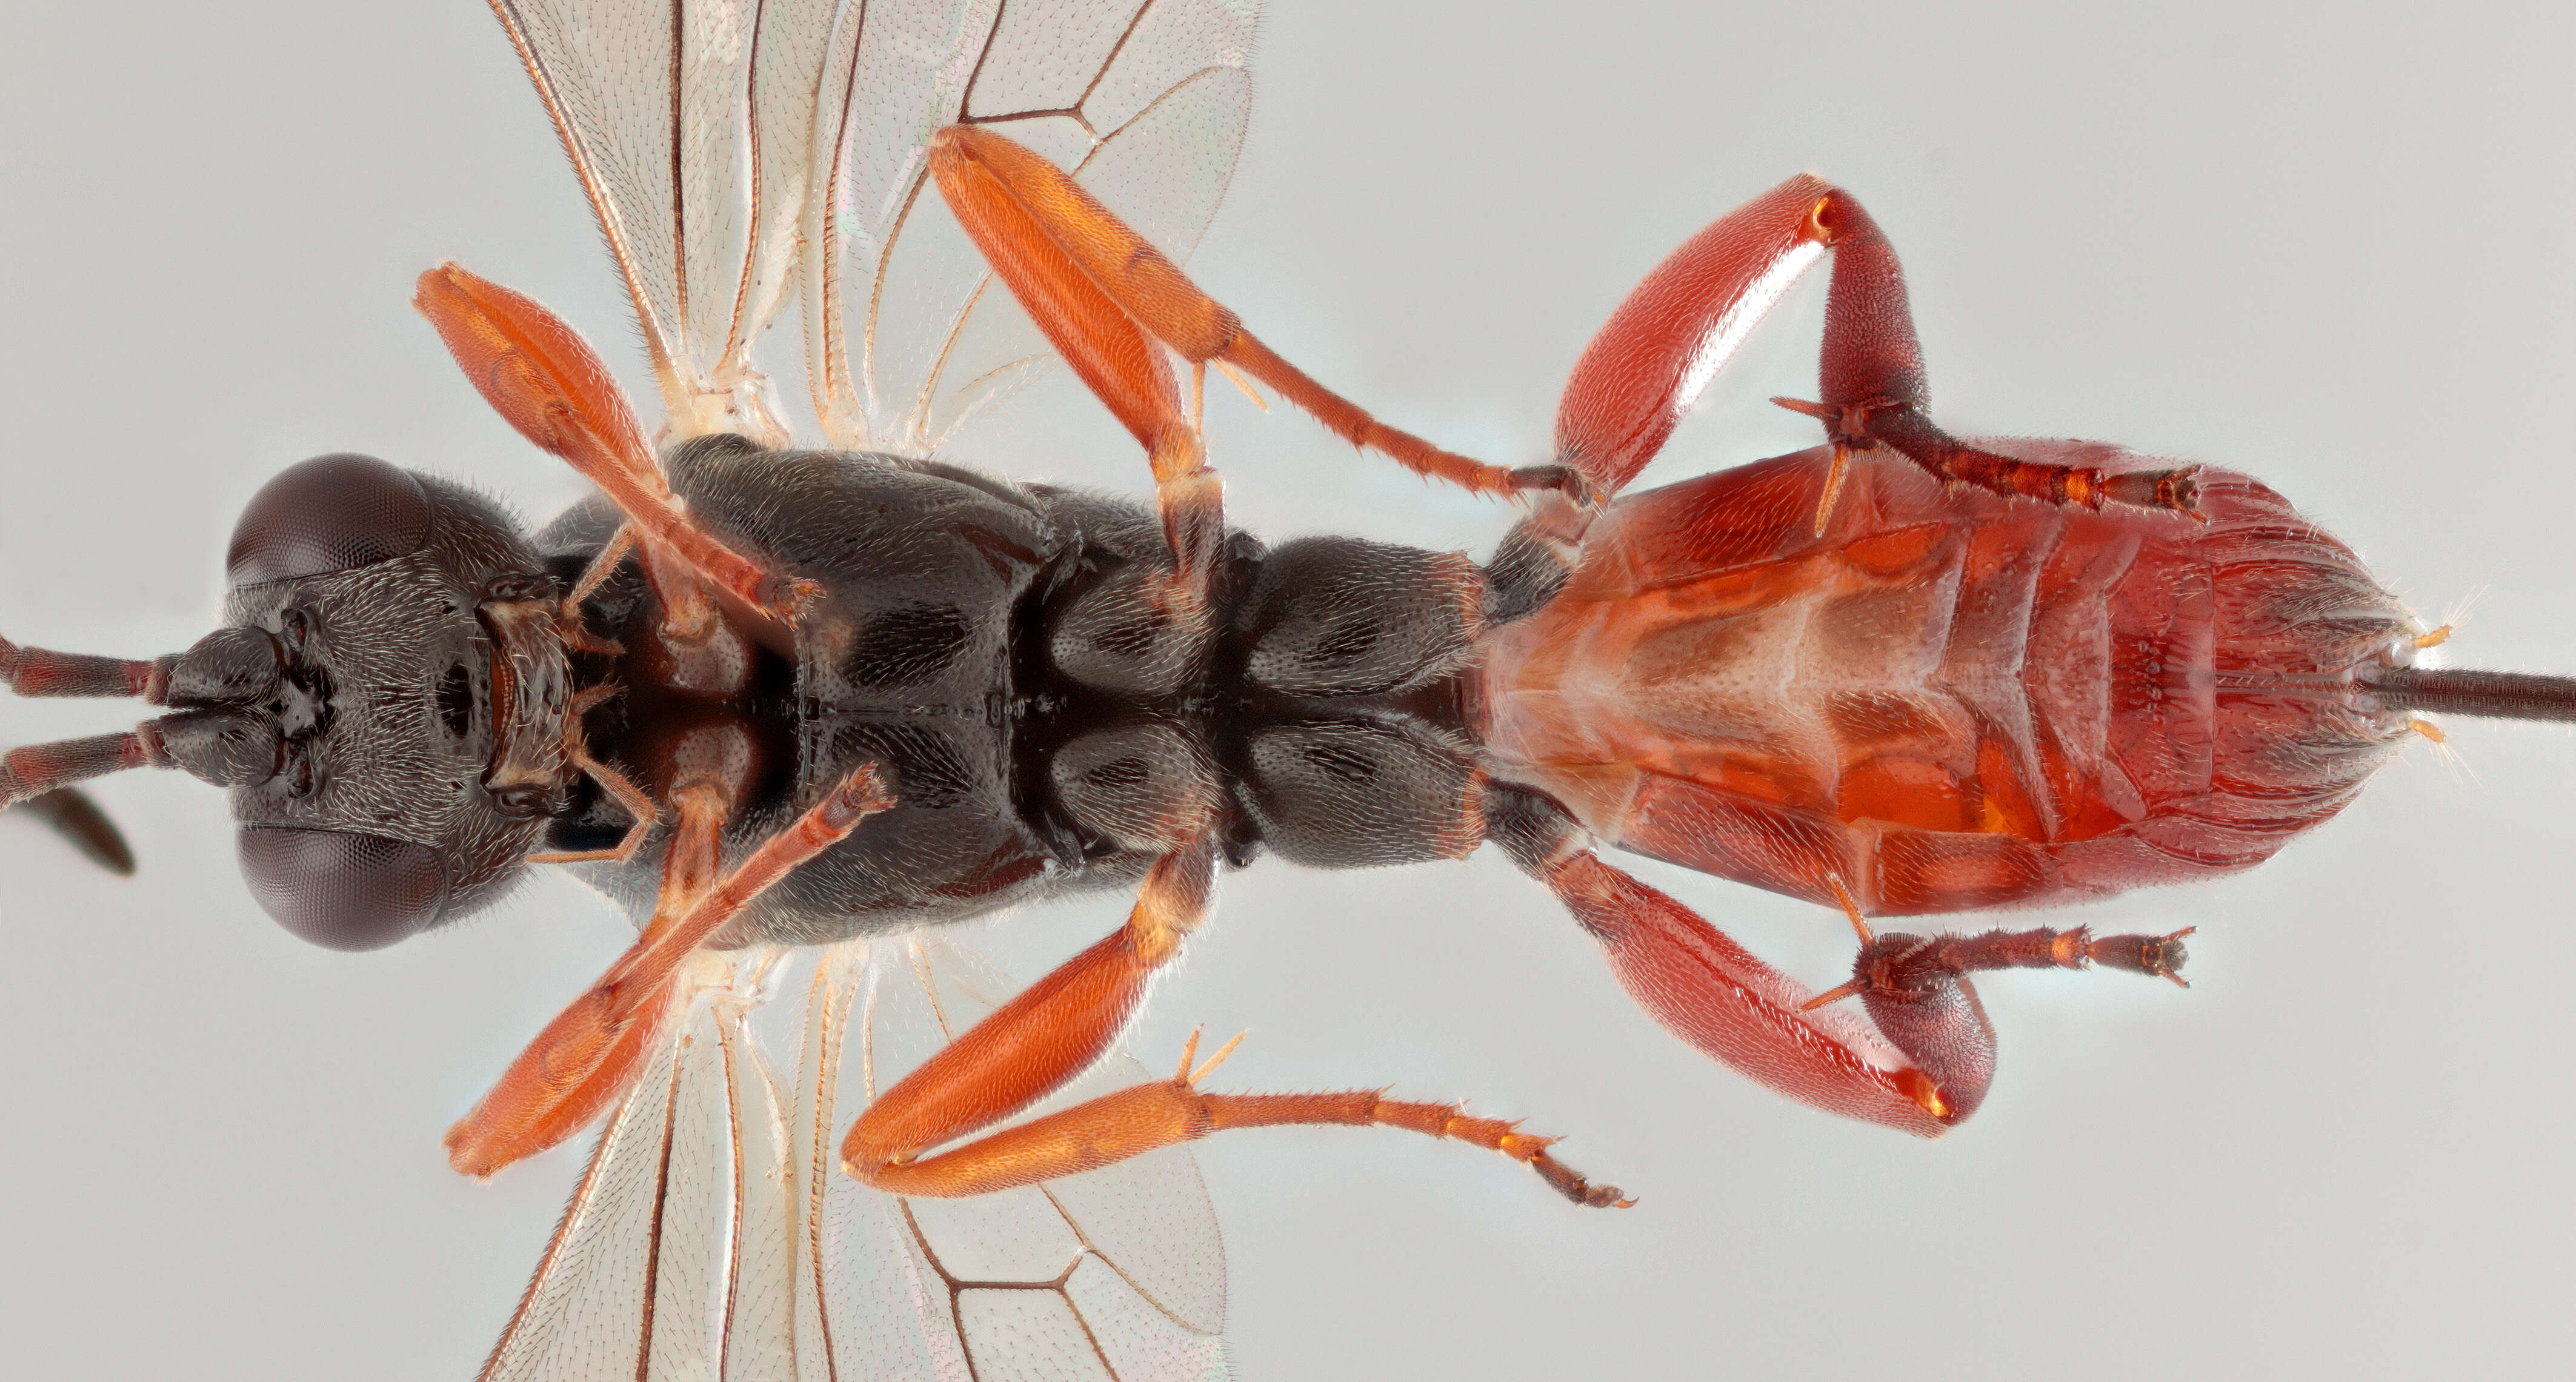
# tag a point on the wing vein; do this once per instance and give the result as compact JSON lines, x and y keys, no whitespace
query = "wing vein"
{"x":1083,"y":1237}
{"x":732,"y":1265}
{"x":575,"y":1211}
{"x":826,"y":1063}
{"x":1072,"y":111}
{"x":1089,"y":1335}
{"x":680,"y":173}
{"x":877,"y":285}
{"x":1101,"y":72}
{"x":653,"y":1235}
{"x":836,"y":348}
{"x":983,"y":54}
{"x":1175,"y":89}
{"x":917,"y":422}
{"x":736,"y":344}
{"x":657,"y":341}
{"x":948,"y":1281}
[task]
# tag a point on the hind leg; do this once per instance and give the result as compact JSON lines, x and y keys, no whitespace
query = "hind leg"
{"x":1679,"y":326}
{"x":1920,"y":1061}
{"x":1060,"y":1026}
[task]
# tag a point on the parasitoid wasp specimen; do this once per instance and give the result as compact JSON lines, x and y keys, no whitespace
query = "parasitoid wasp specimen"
{"x":780,"y":697}
{"x":793,"y":696}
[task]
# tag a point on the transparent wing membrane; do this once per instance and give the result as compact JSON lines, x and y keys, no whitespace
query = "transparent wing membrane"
{"x":674,"y":1251}
{"x":738,"y":152}
{"x":690,"y":126}
{"x":1114,"y":1274}
{"x":713,"y":1234}
{"x":728,"y":146}
{"x":1146,"y":102}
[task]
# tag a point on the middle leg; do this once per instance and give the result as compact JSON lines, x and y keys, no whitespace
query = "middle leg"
{"x":1060,"y":1026}
{"x":1055,"y":245}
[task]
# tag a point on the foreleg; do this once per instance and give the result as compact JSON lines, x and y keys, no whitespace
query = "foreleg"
{"x":584,"y":1059}
{"x":545,"y":381}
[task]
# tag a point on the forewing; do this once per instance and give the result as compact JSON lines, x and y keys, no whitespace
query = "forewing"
{"x":1145,"y":100}
{"x":672,"y":1260}
{"x":710,"y":1237}
{"x":690,"y":125}
{"x":1115,"y":1274}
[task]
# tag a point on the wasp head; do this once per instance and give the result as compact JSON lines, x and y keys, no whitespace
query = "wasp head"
{"x":386,"y":703}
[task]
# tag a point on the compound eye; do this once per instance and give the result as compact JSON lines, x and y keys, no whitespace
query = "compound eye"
{"x":339,"y":889}
{"x":331,"y":513}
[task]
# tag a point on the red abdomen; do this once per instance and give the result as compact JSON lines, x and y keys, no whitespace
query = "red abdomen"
{"x":1949,"y":700}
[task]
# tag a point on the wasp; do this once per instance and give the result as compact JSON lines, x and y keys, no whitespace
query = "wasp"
{"x":770,"y":697}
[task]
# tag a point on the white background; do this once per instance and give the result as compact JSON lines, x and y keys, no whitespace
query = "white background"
{"x":2330,"y":248}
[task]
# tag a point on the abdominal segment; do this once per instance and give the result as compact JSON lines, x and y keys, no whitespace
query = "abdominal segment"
{"x":1948,"y":700}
